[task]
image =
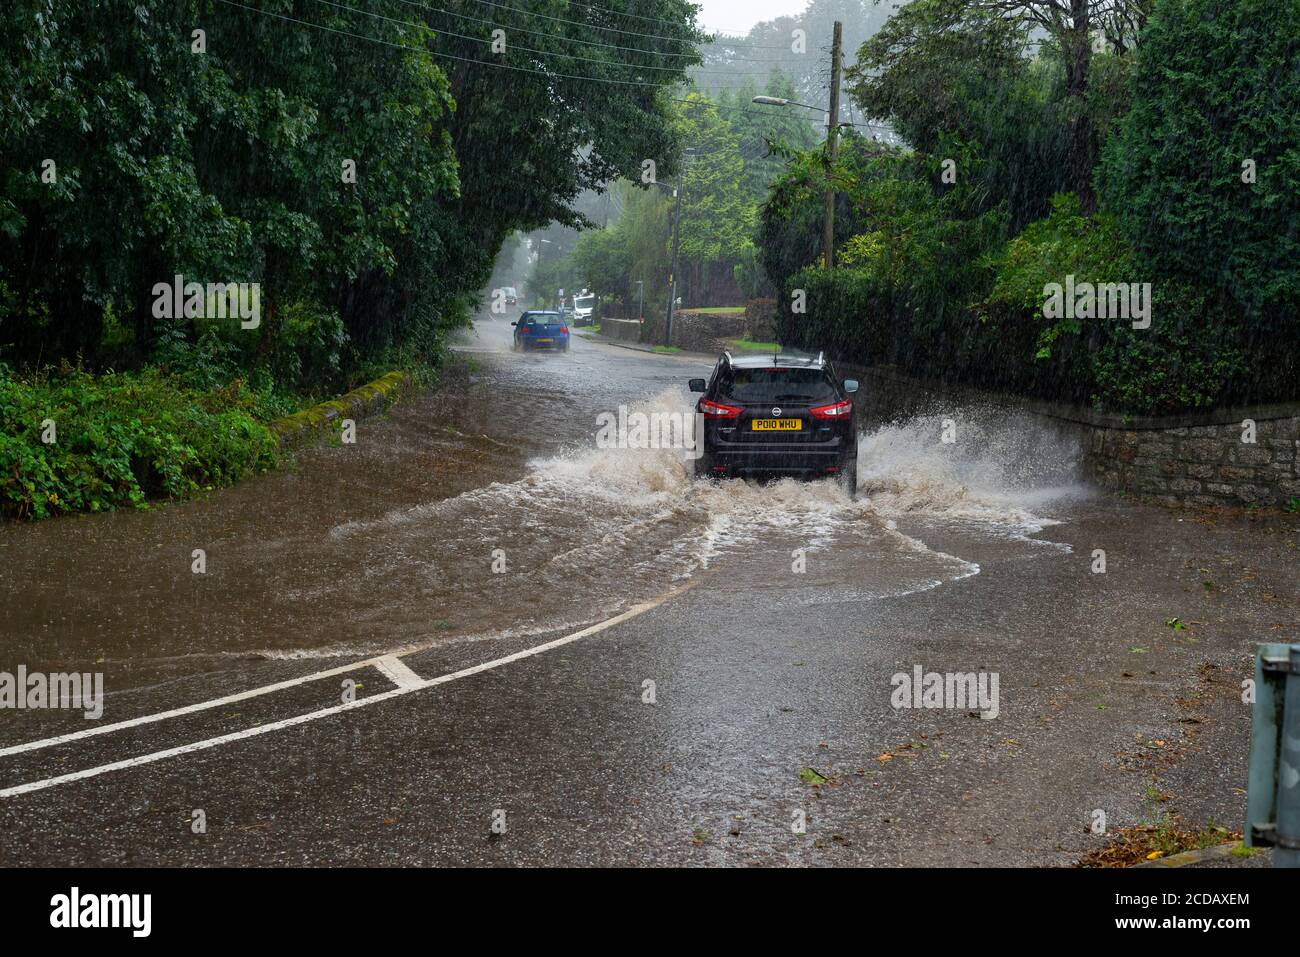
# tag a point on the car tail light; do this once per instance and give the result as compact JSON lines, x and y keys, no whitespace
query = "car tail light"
{"x":564,"y":329}
{"x":716,"y":410}
{"x":836,"y":410}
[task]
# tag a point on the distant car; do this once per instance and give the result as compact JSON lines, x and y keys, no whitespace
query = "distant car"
{"x":541,"y":330}
{"x":583,"y":307}
{"x":511,"y":296}
{"x":777,"y":415}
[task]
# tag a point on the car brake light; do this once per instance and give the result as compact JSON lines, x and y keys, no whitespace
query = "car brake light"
{"x":716,"y":410}
{"x":564,"y":329}
{"x":836,"y":410}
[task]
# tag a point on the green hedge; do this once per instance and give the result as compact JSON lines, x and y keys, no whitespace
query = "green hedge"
{"x":121,"y":439}
{"x":1199,"y":183}
{"x":945,"y":312}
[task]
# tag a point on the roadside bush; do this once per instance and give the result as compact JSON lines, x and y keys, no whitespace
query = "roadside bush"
{"x":905,"y":276}
{"x":1203,"y":174}
{"x":1192,"y":357}
{"x":1189,"y":358}
{"x":940,"y":299}
{"x":121,"y":439}
{"x":1204,"y":170}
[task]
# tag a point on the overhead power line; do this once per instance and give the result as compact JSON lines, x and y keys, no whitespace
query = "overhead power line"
{"x":439,"y":53}
{"x":552,"y":36}
{"x":705,"y":102}
{"x":637,"y":16}
{"x":596,"y":26}
{"x":578,"y":23}
{"x":585,"y":42}
{"x":620,"y":13}
{"x":522,"y":49}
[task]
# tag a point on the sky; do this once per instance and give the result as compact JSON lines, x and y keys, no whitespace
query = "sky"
{"x":737,"y":16}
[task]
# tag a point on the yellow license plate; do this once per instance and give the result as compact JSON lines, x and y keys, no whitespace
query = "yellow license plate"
{"x":545,"y":340}
{"x":776,"y":425}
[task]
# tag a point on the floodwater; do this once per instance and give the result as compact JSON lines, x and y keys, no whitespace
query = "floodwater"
{"x":484,"y":509}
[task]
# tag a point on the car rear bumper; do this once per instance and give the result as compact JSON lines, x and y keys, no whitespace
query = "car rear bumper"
{"x":559,"y":342}
{"x":778,"y":460}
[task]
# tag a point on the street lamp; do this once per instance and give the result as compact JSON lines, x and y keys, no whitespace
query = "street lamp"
{"x":677,"y":223}
{"x":779,"y":101}
{"x":832,"y":137}
{"x":539,"y":260}
{"x":832,"y":131}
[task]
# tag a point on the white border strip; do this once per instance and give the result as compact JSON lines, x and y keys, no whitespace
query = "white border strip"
{"x":188,"y":709}
{"x":324,"y":712}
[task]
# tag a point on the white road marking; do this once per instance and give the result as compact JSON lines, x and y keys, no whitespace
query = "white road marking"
{"x":188,"y":709}
{"x":419,"y":685}
{"x":396,"y":671}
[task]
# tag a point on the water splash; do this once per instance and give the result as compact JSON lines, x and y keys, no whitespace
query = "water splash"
{"x":1002,"y":469}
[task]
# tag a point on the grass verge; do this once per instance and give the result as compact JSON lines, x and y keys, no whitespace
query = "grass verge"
{"x":74,"y":442}
{"x":748,"y":345}
{"x":1149,"y":842}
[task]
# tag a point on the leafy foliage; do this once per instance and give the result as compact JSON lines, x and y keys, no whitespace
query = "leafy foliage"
{"x":121,"y":439}
{"x":1175,"y":172}
{"x":945,"y":254}
{"x":905,"y":275}
{"x":1190,"y":357}
{"x":361,"y":163}
{"x":737,"y":152}
{"x":232,"y":164}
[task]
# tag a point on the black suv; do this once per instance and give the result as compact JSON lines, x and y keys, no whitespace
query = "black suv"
{"x":777,"y":415}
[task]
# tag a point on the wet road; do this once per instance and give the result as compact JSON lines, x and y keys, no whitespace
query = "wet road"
{"x":474,"y":615}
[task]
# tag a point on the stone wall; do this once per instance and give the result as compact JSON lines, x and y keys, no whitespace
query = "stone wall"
{"x":370,"y":399}
{"x":760,"y":320}
{"x":706,"y":331}
{"x":627,"y":330}
{"x":1202,"y":464}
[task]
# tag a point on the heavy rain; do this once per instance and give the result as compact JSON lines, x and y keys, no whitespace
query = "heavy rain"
{"x":801,"y":433}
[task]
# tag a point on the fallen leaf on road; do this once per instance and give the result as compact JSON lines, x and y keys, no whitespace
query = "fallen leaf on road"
{"x":812,"y":777}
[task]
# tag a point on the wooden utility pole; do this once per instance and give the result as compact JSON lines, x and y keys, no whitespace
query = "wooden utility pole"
{"x":672,"y":276}
{"x":677,"y":225}
{"x":832,"y":137}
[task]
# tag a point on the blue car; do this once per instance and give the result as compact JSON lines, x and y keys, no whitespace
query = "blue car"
{"x":541,"y":330}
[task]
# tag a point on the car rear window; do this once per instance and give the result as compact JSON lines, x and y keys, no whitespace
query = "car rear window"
{"x":775,"y":385}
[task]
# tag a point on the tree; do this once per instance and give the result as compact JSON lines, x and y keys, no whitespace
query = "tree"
{"x":930,"y":36}
{"x":363,"y":164}
{"x":766,"y":136}
{"x":1204,"y":170}
{"x":718,"y":214}
{"x":802,"y":56}
{"x":222,"y":163}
